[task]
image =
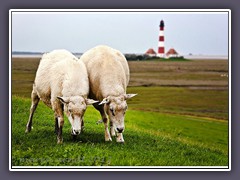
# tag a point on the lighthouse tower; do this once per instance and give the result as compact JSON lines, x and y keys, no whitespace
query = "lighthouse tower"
{"x":161,"y":49}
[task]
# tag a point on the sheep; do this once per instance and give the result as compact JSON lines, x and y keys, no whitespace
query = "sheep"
{"x":61,"y":82}
{"x":108,"y":74}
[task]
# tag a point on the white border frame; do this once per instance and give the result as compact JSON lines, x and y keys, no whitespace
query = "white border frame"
{"x":119,"y":168}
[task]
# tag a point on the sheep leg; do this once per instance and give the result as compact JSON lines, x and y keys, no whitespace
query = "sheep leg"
{"x":104,"y":120}
{"x":35,"y":100}
{"x":107,"y":134}
{"x":82,"y":125}
{"x":56,"y":125}
{"x":59,"y":121}
{"x":60,"y":126}
{"x":59,"y":135}
{"x":100,"y":109}
{"x":112,"y":130}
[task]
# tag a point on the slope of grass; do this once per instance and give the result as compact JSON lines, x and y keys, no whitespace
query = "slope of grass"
{"x":178,"y":100}
{"x":151,"y":139}
{"x":176,"y":124}
{"x":204,"y":73}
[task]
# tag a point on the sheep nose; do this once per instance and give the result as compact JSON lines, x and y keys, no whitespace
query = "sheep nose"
{"x":120,"y":130}
{"x":76,"y":132}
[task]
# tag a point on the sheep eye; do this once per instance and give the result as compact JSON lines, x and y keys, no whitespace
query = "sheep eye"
{"x":112,"y":111}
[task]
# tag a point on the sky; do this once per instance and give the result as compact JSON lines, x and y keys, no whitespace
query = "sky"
{"x":198,"y":33}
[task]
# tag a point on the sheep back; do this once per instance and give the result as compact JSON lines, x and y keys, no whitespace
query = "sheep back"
{"x":60,"y":74}
{"x":108,"y":71}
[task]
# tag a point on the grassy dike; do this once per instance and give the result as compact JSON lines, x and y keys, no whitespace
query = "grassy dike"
{"x":179,"y":118}
{"x":151,"y":139}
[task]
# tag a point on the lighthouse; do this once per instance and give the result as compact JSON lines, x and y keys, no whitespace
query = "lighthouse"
{"x":161,"y":49}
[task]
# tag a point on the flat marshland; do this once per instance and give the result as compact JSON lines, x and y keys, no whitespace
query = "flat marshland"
{"x":179,"y":118}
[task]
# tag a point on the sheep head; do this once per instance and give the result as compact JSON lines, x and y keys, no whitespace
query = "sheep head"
{"x":116,"y":107}
{"x":75,"y":107}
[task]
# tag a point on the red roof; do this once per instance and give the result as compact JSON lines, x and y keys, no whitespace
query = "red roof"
{"x":150,"y":51}
{"x":172,"y":51}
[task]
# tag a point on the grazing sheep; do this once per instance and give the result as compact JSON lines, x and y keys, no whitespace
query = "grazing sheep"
{"x":108,"y":75}
{"x":61,"y":82}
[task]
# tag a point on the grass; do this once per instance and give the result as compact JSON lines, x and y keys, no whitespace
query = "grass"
{"x":196,"y":102}
{"x":178,"y":118}
{"x":198,"y":73}
{"x":151,"y":139}
{"x":189,"y":87}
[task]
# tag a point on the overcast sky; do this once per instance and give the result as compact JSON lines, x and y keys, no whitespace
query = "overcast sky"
{"x":196,"y":33}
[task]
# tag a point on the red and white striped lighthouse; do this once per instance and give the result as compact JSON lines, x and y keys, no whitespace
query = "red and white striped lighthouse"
{"x":161,"y":49}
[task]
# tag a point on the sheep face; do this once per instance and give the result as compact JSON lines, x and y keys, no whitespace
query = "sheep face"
{"x":75,"y":107}
{"x":116,"y":107}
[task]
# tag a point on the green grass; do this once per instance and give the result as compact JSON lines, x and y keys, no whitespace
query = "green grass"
{"x":183,"y":73}
{"x":151,"y":139}
{"x":179,"y":100}
{"x":178,"y":118}
{"x":189,"y":88}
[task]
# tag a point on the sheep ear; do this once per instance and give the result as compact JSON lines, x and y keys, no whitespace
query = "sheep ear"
{"x":128,"y":96}
{"x":90,"y":101}
{"x":104,"y":101}
{"x":64,"y":100}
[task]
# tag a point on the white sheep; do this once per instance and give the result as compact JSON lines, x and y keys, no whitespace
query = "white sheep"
{"x":108,"y":74}
{"x":61,"y":82}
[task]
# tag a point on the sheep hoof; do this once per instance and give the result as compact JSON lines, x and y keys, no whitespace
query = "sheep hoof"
{"x":108,"y":139}
{"x":28,"y":129}
{"x":113,"y":134}
{"x":60,"y":141}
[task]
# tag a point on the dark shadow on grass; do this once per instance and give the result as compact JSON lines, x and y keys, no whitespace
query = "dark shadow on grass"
{"x":85,"y":137}
{"x":47,"y":135}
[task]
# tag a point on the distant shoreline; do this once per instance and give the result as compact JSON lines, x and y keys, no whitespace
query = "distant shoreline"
{"x":34,"y":55}
{"x":209,"y":57}
{"x":193,"y":57}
